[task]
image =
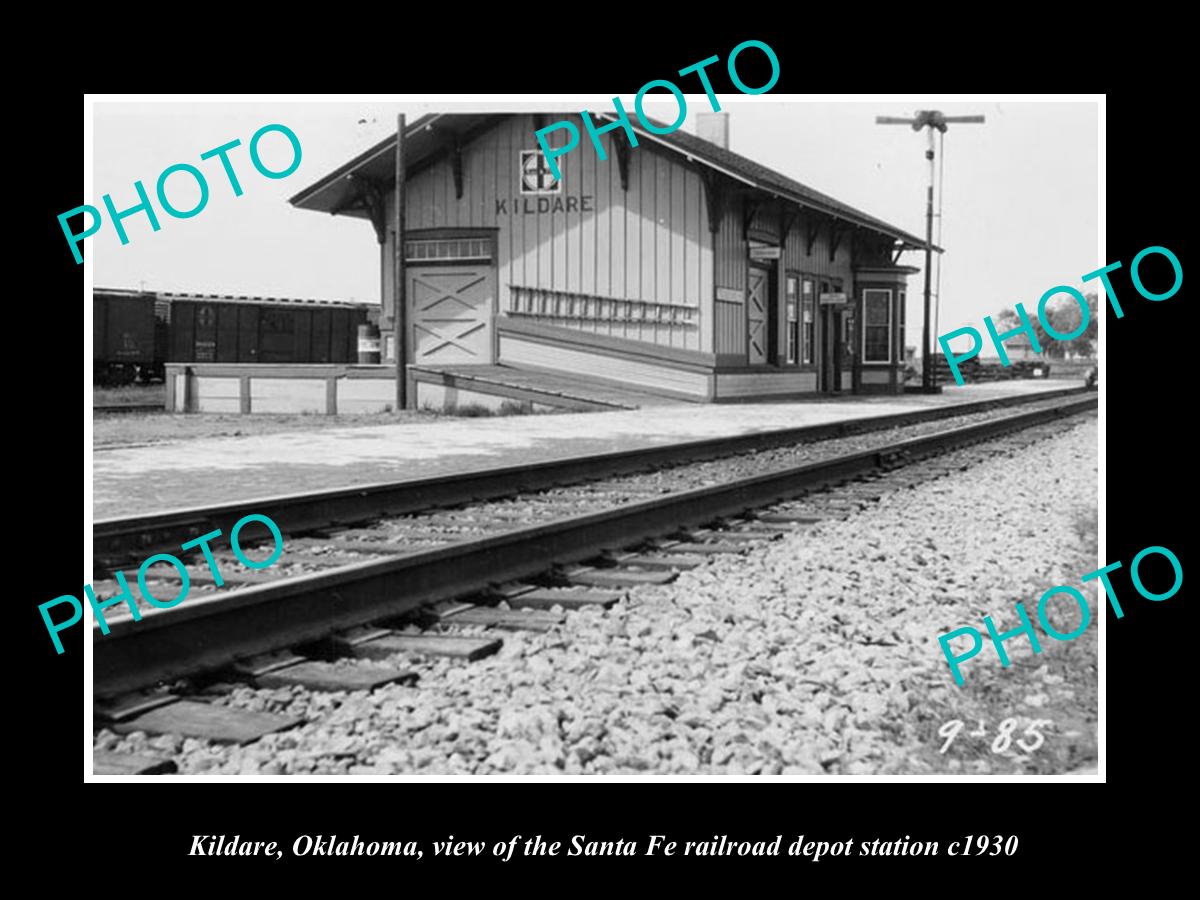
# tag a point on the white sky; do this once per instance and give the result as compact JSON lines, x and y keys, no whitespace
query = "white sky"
{"x":1020,"y":203}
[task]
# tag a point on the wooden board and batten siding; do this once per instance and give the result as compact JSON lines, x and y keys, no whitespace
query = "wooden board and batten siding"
{"x":732,"y":343}
{"x":617,"y":279}
{"x":729,"y":327}
{"x":731,"y":263}
{"x":635,"y":264}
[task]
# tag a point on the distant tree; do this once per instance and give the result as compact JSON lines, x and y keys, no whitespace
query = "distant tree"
{"x":1085,"y":344}
{"x":1063,"y":314}
{"x":1007,"y":320}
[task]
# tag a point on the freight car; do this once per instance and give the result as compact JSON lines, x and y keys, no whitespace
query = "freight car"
{"x":128,"y":341}
{"x":253,"y":329}
{"x":137,"y":332}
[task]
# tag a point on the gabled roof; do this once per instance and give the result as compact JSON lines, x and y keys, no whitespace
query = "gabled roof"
{"x":335,"y":192}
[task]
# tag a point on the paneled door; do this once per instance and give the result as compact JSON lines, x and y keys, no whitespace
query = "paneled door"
{"x":451,"y":309}
{"x":757,"y":301}
{"x":833,"y":356}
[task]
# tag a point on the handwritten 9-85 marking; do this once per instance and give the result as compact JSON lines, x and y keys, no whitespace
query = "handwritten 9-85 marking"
{"x":1004,"y":735}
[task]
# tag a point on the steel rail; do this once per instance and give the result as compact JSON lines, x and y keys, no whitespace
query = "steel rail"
{"x":135,"y":537}
{"x":207,"y":634}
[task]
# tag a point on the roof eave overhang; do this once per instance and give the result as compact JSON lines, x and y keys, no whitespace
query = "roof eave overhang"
{"x":886,"y":270}
{"x":326,"y":194}
{"x":910,"y":241}
{"x":919,"y":245}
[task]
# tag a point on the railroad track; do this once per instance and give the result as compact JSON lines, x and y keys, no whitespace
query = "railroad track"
{"x":130,"y":539}
{"x":514,"y":563}
{"x":156,"y":406}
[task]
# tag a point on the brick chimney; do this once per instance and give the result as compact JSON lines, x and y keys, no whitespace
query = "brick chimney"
{"x":713,"y":127}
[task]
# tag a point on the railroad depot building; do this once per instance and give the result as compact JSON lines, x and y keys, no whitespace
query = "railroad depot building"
{"x":675,"y":267}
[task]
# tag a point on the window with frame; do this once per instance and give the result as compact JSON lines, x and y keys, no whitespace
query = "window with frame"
{"x":793,"y":318}
{"x":457,"y":249}
{"x":877,"y":325}
{"x":807,"y":304}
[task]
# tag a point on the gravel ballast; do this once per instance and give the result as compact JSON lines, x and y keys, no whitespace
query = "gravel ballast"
{"x":813,"y":654}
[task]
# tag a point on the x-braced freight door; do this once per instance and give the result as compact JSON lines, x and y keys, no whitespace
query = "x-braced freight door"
{"x":451,"y":309}
{"x":757,"y":301}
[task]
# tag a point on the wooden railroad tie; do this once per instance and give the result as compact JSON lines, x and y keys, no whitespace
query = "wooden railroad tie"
{"x":191,"y":718}
{"x":509,"y":619}
{"x":709,"y":548}
{"x":658,"y":561}
{"x":379,"y":548}
{"x":739,"y":532}
{"x":790,"y":518}
{"x":380,"y":643}
{"x":284,"y":669}
{"x":619,"y":577}
{"x":105,"y":762}
{"x":544,"y":598}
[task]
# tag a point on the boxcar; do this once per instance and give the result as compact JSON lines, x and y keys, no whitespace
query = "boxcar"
{"x":124,"y":337}
{"x":207,"y":329}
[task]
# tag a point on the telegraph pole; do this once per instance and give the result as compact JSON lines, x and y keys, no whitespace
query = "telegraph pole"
{"x":399,"y":310}
{"x":927,"y":376}
{"x":931,"y":119}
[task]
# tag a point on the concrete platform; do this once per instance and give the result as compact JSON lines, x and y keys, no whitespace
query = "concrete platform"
{"x":170,"y":475}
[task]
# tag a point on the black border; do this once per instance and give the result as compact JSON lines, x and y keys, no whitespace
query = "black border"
{"x":1146,"y":390}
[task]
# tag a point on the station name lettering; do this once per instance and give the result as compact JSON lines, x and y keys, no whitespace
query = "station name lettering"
{"x":530,"y":205}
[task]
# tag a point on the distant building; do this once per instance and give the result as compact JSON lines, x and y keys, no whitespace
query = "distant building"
{"x":1020,"y":349}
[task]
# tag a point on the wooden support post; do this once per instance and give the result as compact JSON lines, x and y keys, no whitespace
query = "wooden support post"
{"x":749,"y":208}
{"x":836,"y":233}
{"x":372,"y":200}
{"x":787,"y":220}
{"x":621,"y":148}
{"x":814,"y":228}
{"x":189,"y":390}
{"x":399,"y":310}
